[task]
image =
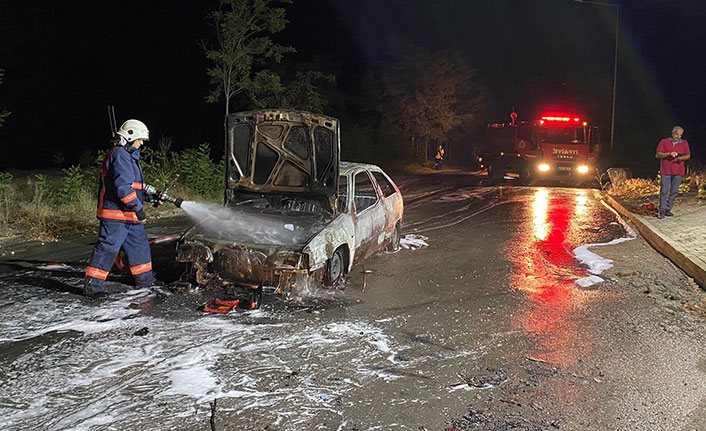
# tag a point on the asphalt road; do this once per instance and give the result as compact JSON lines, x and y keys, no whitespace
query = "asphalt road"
{"x":489,"y":322}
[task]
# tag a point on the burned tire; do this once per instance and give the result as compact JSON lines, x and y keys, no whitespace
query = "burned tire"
{"x":394,"y":244}
{"x":335,"y":267}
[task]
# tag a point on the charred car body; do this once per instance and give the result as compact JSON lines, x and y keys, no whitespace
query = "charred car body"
{"x":291,"y":207}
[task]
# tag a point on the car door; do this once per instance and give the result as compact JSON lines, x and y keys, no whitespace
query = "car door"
{"x":391,"y":200}
{"x":369,"y":215}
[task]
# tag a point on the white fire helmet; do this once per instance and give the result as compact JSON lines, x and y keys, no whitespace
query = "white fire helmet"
{"x":132,"y":130}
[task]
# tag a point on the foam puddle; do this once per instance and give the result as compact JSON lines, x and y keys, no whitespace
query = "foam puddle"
{"x":413,"y":242}
{"x":82,"y":368}
{"x":595,"y":263}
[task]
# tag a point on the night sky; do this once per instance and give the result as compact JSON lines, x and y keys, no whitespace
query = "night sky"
{"x":65,"y":61}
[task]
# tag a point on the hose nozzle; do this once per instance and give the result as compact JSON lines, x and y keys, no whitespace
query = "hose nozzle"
{"x":162,"y":196}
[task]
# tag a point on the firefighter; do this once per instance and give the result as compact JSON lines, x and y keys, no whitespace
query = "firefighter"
{"x":121,"y":213}
{"x":439,"y":158}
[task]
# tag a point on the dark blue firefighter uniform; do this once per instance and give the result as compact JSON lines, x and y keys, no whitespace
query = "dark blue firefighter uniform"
{"x":120,"y":211}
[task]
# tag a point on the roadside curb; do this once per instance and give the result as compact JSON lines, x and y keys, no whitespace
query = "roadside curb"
{"x":673,"y":250}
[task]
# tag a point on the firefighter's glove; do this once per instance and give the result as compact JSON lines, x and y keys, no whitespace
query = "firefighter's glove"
{"x":141,"y":217}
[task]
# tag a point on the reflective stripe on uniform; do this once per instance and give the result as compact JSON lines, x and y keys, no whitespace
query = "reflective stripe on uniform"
{"x":116,"y":215}
{"x":96,"y":273}
{"x":131,"y":197}
{"x":139,"y":269}
{"x":137,"y":186}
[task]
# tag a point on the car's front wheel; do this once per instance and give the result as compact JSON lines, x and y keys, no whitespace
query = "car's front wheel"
{"x":335,"y":267}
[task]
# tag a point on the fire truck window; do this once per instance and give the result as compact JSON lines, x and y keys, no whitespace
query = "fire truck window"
{"x":365,"y":195}
{"x":342,"y":193}
{"x":589,"y":134}
{"x":385,"y":185}
{"x":563,"y":135}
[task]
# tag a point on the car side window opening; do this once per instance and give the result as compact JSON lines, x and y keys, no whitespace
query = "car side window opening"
{"x":365,"y":195}
{"x":342,"y":193}
{"x":385,"y":185}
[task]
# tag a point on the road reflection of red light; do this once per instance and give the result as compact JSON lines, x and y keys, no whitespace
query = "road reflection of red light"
{"x":545,"y":268}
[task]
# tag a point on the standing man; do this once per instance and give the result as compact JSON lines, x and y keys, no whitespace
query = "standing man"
{"x":121,"y":213}
{"x":672,"y":152}
{"x":439,"y":158}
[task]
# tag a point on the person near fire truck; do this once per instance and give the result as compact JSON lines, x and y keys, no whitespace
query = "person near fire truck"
{"x":439,"y":157}
{"x":121,"y":212}
{"x":672,"y":152}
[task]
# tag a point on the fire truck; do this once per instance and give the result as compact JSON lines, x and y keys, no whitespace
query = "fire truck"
{"x":555,"y":146}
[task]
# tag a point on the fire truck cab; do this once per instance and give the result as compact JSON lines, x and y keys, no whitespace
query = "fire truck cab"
{"x":556,"y":146}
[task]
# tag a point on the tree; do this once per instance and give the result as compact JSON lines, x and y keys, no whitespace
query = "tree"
{"x":244,"y":48}
{"x":302,"y":92}
{"x":427,"y":94}
{"x":4,"y":113}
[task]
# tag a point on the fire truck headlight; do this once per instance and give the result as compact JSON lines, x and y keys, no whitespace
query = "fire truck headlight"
{"x":543,"y":167}
{"x":582,"y":169}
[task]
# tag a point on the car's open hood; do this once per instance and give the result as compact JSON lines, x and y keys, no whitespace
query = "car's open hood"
{"x":283,"y":151}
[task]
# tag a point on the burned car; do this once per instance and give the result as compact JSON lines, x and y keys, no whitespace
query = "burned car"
{"x":291,"y":208}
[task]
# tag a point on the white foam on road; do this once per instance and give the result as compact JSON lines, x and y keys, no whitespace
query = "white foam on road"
{"x":597,"y":264}
{"x":413,"y":241}
{"x":102,"y":375}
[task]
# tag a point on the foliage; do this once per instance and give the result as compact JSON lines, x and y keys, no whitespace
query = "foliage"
{"x":73,"y":184}
{"x":6,"y":195}
{"x":635,"y":188}
{"x":201,"y":173}
{"x":41,"y":189}
{"x":4,"y":113}
{"x":302,"y":93}
{"x":426,"y":94}
{"x":161,"y":166}
{"x":58,"y":158}
{"x":91,"y":173}
{"x":243,"y":46}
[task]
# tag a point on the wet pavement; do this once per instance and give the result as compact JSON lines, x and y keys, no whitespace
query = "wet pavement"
{"x":495,"y":316}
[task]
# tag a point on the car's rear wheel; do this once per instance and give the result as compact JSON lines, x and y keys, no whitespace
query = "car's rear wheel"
{"x":394,"y":243}
{"x":494,"y":172}
{"x":526,"y":175}
{"x":335,"y":267}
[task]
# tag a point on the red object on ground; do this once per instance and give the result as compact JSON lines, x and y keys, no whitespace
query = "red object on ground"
{"x":220,"y":306}
{"x":648,"y":205}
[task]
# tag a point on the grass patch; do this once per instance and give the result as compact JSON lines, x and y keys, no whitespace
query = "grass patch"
{"x":635,"y":188}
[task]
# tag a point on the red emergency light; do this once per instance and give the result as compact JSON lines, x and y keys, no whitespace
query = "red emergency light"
{"x":561,"y":118}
